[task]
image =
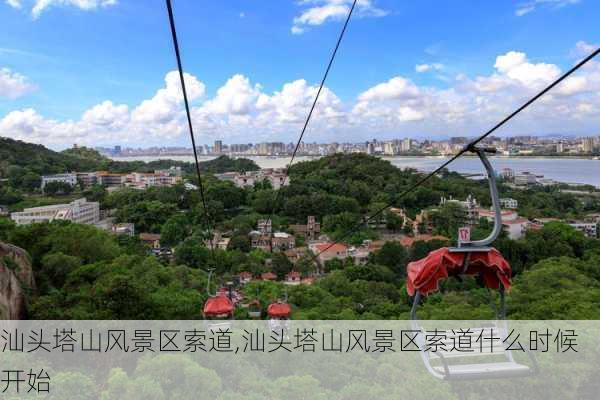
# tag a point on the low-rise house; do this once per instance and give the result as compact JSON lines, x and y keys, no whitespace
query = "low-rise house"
{"x":293,"y":278}
{"x":150,"y":239}
{"x":79,"y":211}
{"x":70,"y":179}
{"x":123,"y":229}
{"x":276,"y":177}
{"x":513,"y":225}
{"x":277,"y":242}
{"x":3,"y":210}
{"x":310,"y":230}
{"x":219,"y":241}
{"x":329,"y":251}
{"x":469,"y":207}
{"x":268,"y":276}
{"x":283,"y":241}
{"x":509,"y":203}
{"x":589,"y":229}
{"x":245,"y":277}
{"x":296,"y":254}
{"x":105,"y":178}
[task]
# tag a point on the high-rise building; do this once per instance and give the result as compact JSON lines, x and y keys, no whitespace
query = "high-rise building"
{"x":406,"y":145}
{"x":218,"y":149}
{"x":587,"y":145}
{"x":388,"y":149}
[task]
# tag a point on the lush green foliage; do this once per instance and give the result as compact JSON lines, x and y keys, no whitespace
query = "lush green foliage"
{"x":82,"y":272}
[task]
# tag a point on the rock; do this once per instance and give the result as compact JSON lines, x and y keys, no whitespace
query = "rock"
{"x":16,"y":279}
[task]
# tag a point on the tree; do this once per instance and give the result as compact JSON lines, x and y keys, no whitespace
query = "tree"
{"x":175,"y":230}
{"x":281,"y":265}
{"x":392,"y":255}
{"x":56,"y":267}
{"x":57,"y":187}
{"x":147,"y":215}
{"x":96,"y":193}
{"x":240,"y":242}
{"x":193,"y":253}
{"x":394,"y":222}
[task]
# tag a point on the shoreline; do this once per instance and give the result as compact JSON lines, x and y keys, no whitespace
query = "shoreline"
{"x":166,"y":156}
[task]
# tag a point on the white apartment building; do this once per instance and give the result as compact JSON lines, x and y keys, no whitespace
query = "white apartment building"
{"x":525,"y":178}
{"x":590,"y":229}
{"x":69,"y":179}
{"x":276,"y":177}
{"x":509,"y":203}
{"x":79,"y":211}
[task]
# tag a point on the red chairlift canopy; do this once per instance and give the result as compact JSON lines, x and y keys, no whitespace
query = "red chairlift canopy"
{"x":424,"y":274}
{"x":218,"y":306}
{"x":279,"y":310}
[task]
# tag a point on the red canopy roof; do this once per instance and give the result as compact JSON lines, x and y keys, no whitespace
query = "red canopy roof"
{"x":279,"y":310}
{"x":217,"y":306}
{"x":424,"y":274}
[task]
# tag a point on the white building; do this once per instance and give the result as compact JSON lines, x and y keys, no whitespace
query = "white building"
{"x":79,"y":211}
{"x":276,"y":177}
{"x":525,"y":178}
{"x":590,"y":229}
{"x":512,"y":224}
{"x":69,"y":179}
{"x":509,"y":203}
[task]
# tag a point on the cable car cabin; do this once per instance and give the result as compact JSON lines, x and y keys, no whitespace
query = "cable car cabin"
{"x":254,"y":309}
{"x":279,"y":310}
{"x":279,"y":319}
{"x":218,"y":308}
{"x":471,"y":258}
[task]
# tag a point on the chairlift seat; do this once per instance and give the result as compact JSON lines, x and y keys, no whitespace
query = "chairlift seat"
{"x":507,"y":369}
{"x":492,"y":361}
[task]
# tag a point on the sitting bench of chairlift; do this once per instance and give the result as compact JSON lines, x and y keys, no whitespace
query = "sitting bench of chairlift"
{"x":492,"y":359}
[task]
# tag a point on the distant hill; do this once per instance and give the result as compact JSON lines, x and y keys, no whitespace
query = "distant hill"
{"x":19,"y":159}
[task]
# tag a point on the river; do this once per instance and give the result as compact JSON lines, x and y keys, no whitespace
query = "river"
{"x":567,"y":170}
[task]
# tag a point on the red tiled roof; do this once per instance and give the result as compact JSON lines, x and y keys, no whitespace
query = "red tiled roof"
{"x":245,"y":274}
{"x":268,"y":276}
{"x":150,"y":237}
{"x":518,"y":221}
{"x":293,"y":275}
{"x":336,"y":247}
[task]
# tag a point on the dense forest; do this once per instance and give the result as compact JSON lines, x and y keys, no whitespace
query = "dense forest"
{"x":85,"y":273}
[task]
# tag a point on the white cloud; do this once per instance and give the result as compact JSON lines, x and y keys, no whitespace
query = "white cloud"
{"x":515,"y":65}
{"x":107,"y":115}
{"x":13,"y":84}
{"x":582,"y":48}
{"x":322,"y":11}
{"x":530,"y":6}
{"x":14,"y":3}
{"x":39,"y":6}
{"x":429,"y":67}
{"x":242,"y":111}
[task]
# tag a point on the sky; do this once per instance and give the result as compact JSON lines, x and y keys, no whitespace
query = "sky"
{"x":102,"y":72}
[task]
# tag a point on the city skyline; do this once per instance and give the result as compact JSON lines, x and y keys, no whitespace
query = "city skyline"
{"x":512,"y":145}
{"x":253,"y":69}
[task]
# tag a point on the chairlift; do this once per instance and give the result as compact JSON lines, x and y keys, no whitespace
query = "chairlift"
{"x":279,"y":314}
{"x":255,"y":308}
{"x":471,"y":257}
{"x":218,"y":307}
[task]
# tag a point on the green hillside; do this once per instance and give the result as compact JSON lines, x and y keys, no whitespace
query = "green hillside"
{"x":22,"y":164}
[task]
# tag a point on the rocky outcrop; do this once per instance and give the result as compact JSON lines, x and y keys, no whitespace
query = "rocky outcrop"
{"x":16,"y":278}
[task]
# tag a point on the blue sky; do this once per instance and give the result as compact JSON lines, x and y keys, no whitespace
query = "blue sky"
{"x":62,"y":58}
